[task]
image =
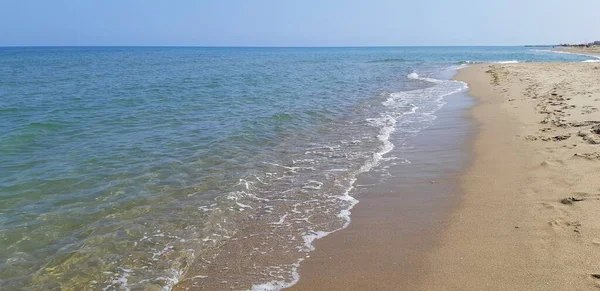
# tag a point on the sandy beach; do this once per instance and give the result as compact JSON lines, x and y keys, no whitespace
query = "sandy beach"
{"x":529,"y":217}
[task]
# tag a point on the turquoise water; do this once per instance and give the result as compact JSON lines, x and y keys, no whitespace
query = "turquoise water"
{"x":123,"y":168}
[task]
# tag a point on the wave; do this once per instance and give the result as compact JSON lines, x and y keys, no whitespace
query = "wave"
{"x":463,"y":63}
{"x":415,"y":76}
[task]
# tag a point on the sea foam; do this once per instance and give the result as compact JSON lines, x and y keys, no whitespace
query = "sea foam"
{"x":398,"y":105}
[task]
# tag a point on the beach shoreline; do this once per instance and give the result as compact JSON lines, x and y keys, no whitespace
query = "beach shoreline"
{"x":593,"y":50}
{"x":523,"y":214}
{"x":398,"y":222}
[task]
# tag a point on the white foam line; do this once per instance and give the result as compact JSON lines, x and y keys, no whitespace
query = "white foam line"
{"x":384,"y":136}
{"x":416,"y":76}
{"x":278,"y":285}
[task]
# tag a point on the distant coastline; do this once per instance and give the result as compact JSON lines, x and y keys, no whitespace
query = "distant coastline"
{"x":541,"y":45}
{"x":592,"y":48}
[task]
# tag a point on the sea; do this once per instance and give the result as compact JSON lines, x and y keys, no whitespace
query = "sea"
{"x":137,"y":168}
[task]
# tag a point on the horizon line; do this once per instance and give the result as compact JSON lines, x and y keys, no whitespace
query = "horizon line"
{"x":234,"y":46}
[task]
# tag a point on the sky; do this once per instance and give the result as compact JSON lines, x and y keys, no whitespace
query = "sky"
{"x":297,"y":23}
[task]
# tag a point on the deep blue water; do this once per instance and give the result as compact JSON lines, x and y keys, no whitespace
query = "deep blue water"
{"x":123,"y":167}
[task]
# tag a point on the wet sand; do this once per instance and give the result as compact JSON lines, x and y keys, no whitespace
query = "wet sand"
{"x":399,"y":221}
{"x":529,"y":219}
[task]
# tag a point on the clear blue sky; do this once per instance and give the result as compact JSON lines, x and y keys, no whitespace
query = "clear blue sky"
{"x":297,"y":23}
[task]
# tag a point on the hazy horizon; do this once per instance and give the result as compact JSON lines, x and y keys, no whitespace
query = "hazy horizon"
{"x":271,"y":23}
{"x":242,"y":46}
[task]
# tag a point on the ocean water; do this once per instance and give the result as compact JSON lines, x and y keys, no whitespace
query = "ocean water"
{"x":136,"y":168}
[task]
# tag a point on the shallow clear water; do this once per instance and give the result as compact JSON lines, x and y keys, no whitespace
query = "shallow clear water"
{"x":126,"y":167}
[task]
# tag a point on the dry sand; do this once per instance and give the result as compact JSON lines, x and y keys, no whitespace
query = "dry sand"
{"x":530,"y":216}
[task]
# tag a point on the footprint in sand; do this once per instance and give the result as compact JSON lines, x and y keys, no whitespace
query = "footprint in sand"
{"x":588,"y":156}
{"x":588,"y":110}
